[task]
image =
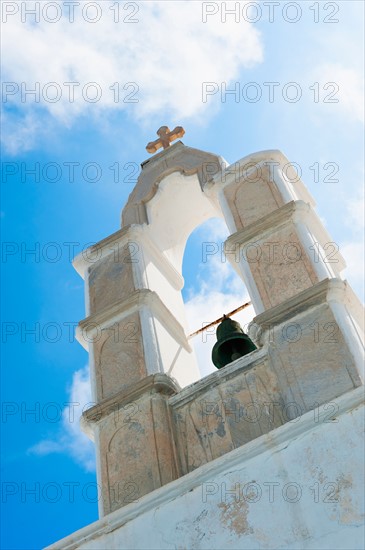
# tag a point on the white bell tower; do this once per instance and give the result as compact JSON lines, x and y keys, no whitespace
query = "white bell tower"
{"x":264,"y":453}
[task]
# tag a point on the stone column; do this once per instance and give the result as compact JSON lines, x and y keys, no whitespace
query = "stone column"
{"x":134,"y":441}
{"x":129,"y":331}
{"x":278,"y":244}
{"x":135,"y":343}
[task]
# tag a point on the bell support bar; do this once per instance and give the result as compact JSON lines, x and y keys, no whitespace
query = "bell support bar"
{"x":240,"y":308}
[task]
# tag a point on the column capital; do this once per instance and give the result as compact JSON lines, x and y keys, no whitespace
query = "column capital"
{"x":155,"y":383}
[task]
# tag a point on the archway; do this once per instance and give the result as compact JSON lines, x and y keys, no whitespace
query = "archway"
{"x":211,"y":288}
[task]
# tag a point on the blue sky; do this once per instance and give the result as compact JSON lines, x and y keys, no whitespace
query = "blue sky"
{"x":160,"y":54}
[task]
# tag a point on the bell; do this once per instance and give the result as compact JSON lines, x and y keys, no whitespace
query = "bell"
{"x":231,"y":344}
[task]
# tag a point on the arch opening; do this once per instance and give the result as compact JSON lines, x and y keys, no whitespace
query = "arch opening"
{"x":212,"y":288}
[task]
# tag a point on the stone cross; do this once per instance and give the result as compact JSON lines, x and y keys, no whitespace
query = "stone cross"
{"x":165,"y":138}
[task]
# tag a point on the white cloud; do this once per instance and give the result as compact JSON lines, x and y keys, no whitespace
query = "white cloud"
{"x":353,"y":254}
{"x":355,"y":208}
{"x":71,"y":440}
{"x":20,"y":132}
{"x":353,"y":250}
{"x":168,"y":53}
{"x":347,"y":89}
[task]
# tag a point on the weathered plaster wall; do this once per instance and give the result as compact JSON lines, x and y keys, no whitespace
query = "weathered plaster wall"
{"x":299,"y":487}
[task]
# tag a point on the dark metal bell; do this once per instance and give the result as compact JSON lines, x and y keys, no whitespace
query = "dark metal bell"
{"x":231,"y":344}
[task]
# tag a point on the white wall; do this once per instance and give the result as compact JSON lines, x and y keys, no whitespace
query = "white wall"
{"x":306,"y":492}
